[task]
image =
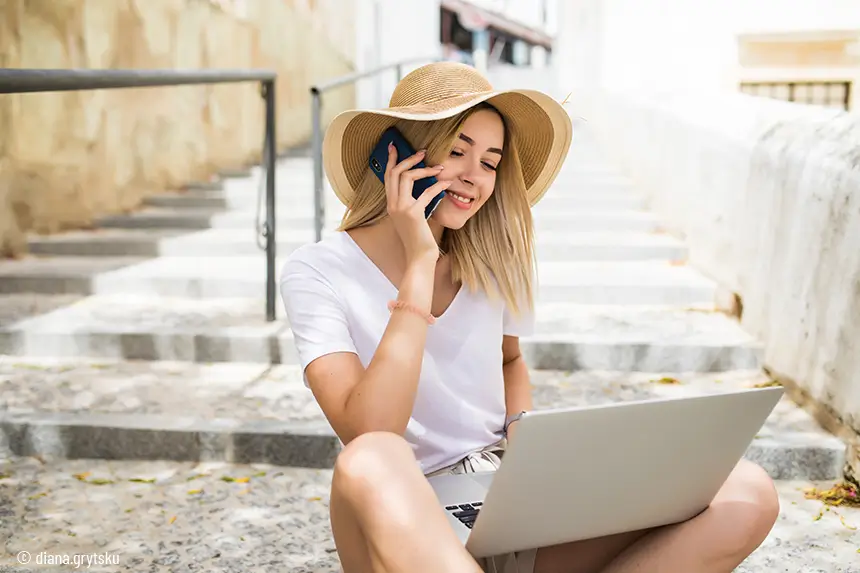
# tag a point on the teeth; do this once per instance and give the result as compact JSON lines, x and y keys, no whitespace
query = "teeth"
{"x":460,"y":199}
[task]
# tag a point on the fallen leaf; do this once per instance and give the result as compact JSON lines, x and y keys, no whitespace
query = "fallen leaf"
{"x":767,"y":384}
{"x":81,"y":476}
{"x":315,"y":498}
{"x":196,"y":476}
{"x":242,"y":480}
{"x":667,"y":380}
{"x":259,"y":474}
{"x":194,"y":491}
{"x":129,"y":510}
{"x":228,"y":479}
{"x":142,"y":480}
{"x":38,"y":495}
{"x":99,"y":481}
{"x":172,"y":519}
{"x":5,"y":476}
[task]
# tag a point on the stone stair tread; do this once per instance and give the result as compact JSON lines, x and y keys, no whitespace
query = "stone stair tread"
{"x":244,"y":525}
{"x":258,"y":398}
{"x":655,"y":325}
{"x":247,"y":268}
{"x":231,"y":235}
{"x":43,"y":266}
{"x":21,"y":306}
{"x":554,"y":321}
{"x":158,"y":315}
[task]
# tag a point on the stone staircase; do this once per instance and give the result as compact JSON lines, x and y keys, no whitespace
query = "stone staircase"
{"x":145,"y":339}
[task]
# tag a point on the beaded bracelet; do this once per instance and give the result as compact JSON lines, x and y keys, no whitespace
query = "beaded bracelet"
{"x":403,"y":305}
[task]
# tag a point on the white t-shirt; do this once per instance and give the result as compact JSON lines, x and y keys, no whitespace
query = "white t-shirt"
{"x":336,"y":300}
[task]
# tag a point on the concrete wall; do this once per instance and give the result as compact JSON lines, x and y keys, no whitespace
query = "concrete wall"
{"x":68,"y":157}
{"x":387,"y":31}
{"x":766,"y":193}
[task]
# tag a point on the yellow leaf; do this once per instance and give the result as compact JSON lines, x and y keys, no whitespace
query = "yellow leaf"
{"x":316,"y":498}
{"x":142,"y":480}
{"x":196,"y":476}
{"x":129,"y":510}
{"x":81,"y":476}
{"x":851,"y":527}
{"x":194,"y":491}
{"x":172,"y":519}
{"x":99,"y":481}
{"x":667,"y":380}
{"x":242,"y":480}
{"x":259,"y":474}
{"x":38,"y":495}
{"x":228,"y":479}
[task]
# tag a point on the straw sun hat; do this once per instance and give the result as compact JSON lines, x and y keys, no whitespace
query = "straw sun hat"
{"x":540,"y":127}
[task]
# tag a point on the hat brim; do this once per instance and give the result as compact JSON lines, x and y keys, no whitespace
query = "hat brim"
{"x":541,"y":129}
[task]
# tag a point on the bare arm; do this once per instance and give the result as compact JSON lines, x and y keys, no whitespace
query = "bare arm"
{"x":518,"y":395}
{"x":380,"y":398}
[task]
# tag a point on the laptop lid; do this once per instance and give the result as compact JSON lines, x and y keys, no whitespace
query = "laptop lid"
{"x":580,"y":473}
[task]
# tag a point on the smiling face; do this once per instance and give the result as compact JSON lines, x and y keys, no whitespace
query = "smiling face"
{"x":471,"y":167}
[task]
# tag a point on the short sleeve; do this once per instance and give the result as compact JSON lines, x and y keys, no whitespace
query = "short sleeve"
{"x":316,"y":314}
{"x":518,"y":325}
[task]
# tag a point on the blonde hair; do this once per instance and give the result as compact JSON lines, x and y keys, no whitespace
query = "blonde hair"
{"x":494,"y":251}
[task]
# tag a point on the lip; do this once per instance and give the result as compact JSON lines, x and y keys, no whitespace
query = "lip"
{"x":457,"y":203}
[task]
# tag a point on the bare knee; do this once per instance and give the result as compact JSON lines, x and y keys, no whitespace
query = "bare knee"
{"x":749,"y":504}
{"x":369,"y":459}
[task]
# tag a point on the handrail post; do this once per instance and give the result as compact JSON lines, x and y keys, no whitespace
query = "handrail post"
{"x":271,"y":144}
{"x":319,"y":206}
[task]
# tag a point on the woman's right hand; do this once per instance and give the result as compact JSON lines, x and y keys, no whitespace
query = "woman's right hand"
{"x":406,"y":212}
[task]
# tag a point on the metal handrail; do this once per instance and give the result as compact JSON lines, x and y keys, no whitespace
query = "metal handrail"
{"x":14,"y":81}
{"x":317,"y":91}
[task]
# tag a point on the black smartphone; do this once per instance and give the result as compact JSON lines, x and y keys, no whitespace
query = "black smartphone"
{"x":379,"y":159}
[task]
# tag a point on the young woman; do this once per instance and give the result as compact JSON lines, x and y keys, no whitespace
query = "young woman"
{"x":408,"y":333}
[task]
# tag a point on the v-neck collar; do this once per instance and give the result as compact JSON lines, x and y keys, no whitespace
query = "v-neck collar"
{"x":390,"y":285}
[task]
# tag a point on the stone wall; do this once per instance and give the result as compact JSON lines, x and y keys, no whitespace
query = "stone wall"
{"x":66,"y":158}
{"x":767,"y":195}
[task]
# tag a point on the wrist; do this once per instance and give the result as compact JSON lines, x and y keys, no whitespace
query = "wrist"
{"x":423,"y":261}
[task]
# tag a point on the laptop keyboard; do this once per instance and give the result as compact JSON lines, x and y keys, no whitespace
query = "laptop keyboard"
{"x":466,"y":512}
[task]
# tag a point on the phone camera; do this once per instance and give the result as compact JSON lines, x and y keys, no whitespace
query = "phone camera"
{"x":375,"y":164}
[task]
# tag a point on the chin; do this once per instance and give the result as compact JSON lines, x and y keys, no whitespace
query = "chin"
{"x":451,"y":217}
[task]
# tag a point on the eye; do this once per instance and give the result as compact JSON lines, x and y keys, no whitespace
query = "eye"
{"x":489,"y":166}
{"x":456,"y":153}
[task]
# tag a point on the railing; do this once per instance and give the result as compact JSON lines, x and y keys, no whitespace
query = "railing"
{"x":29,"y":81}
{"x":316,"y":115}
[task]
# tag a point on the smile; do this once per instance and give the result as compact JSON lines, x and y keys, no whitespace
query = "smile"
{"x":459,"y":200}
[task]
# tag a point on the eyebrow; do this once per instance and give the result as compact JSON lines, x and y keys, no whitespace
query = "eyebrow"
{"x":471,"y":141}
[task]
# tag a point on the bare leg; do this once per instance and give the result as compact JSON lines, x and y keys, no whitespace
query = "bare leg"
{"x":385,"y":516}
{"x":715,"y":541}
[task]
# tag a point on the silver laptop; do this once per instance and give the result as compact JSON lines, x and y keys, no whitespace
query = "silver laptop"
{"x":579,"y":473}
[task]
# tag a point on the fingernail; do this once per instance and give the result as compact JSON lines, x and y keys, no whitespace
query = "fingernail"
{"x":390,"y":145}
{"x":422,"y":151}
{"x":439,"y":167}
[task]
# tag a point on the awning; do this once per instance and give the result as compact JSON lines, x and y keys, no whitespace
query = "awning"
{"x":475,"y":18}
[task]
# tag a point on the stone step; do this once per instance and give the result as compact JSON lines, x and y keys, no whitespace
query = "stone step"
{"x":567,"y":336}
{"x":300,"y":200}
{"x":585,"y":282}
{"x":255,"y":413}
{"x":155,"y":218}
{"x":57,"y":275}
{"x":551,"y":246}
{"x":188,"y":513}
